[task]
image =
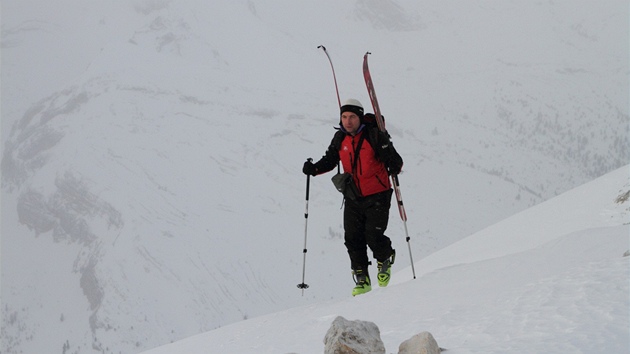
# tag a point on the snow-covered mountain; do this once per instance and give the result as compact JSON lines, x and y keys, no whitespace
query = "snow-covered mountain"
{"x":551,"y":279}
{"x":151,"y":150}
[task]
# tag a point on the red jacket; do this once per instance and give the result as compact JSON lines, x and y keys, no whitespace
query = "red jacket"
{"x":371,"y":175}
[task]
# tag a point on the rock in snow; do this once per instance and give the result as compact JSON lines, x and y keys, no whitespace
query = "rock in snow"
{"x":353,"y":337}
{"x":362,"y":337}
{"x":422,"y":343}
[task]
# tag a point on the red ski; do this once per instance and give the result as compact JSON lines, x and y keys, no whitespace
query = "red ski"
{"x":381,"y":126}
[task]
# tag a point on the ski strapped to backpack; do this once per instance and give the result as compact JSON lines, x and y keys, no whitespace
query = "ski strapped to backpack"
{"x":381,"y":126}
{"x":333,"y":72}
{"x":336,"y":88}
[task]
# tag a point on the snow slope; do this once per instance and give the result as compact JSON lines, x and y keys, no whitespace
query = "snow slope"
{"x":551,"y":279}
{"x":151,"y":149}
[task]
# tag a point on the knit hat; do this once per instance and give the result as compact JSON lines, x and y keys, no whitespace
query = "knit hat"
{"x":354,"y":106}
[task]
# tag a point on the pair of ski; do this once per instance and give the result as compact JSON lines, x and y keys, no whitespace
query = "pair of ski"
{"x":381,"y":126}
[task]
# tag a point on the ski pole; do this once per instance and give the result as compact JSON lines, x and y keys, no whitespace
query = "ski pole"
{"x":403,"y":216}
{"x":303,"y":285}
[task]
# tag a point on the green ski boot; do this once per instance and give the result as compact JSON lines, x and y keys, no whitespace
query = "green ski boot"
{"x":385,"y":270}
{"x":362,"y":279}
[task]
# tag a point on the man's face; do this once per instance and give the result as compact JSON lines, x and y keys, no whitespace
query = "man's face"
{"x":350,"y":122}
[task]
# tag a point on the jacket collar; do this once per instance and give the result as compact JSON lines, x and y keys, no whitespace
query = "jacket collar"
{"x":345,"y":131}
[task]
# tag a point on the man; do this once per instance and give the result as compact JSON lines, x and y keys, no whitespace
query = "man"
{"x":368,"y":157}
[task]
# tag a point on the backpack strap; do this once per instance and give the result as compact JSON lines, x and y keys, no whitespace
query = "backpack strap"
{"x":357,"y":151}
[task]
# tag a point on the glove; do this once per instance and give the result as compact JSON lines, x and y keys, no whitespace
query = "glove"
{"x":309,"y":168}
{"x":393,"y":161}
{"x":394,"y":167}
{"x":384,"y":146}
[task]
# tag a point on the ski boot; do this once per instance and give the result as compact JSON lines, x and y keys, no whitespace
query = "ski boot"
{"x":362,"y":279}
{"x":385,"y":270}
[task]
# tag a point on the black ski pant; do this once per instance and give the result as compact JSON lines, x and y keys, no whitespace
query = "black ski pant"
{"x":365,"y":221}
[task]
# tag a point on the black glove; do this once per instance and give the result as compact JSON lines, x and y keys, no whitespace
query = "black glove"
{"x":388,"y":154}
{"x":384,"y":146}
{"x":309,"y":168}
{"x":394,"y":167}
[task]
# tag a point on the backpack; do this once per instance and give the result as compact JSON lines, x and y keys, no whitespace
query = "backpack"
{"x":369,"y":119}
